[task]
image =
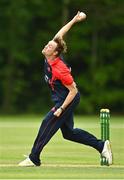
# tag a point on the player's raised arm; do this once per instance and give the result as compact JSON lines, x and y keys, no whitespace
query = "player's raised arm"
{"x":80,"y":16}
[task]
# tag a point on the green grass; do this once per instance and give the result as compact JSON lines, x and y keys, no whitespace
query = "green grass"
{"x":61,"y":159}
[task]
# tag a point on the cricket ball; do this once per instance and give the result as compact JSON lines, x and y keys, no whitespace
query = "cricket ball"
{"x":83,"y":15}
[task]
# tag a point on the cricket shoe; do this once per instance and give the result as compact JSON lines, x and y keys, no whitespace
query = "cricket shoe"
{"x":26,"y":163}
{"x":107,"y":152}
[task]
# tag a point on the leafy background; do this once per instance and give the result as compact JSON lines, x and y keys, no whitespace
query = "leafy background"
{"x":95,"y":53}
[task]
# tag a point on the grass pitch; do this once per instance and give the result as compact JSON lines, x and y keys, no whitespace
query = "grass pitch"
{"x":61,"y":159}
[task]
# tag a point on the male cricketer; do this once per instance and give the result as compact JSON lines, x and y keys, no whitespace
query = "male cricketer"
{"x":65,"y":96}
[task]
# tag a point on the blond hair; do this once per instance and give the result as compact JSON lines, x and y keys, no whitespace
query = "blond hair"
{"x":61,"y":45}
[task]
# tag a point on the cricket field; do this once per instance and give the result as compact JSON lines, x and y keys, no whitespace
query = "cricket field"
{"x":61,"y":159}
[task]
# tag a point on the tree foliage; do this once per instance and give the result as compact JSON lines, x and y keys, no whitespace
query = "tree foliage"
{"x":95,"y":52}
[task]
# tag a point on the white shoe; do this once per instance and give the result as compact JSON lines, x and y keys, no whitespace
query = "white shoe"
{"x":106,"y":152}
{"x":26,"y":163}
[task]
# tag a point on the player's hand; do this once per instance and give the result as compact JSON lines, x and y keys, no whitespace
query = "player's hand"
{"x":58,"y":112}
{"x":80,"y":16}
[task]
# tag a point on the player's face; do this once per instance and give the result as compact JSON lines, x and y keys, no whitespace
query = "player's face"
{"x":50,"y":49}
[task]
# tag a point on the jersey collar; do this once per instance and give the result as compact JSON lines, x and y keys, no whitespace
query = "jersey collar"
{"x":55,"y":61}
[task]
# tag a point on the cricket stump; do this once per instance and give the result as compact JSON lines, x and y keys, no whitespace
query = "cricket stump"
{"x":105,"y":134}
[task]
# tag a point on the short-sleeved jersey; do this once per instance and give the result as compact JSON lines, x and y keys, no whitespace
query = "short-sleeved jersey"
{"x":57,"y":75}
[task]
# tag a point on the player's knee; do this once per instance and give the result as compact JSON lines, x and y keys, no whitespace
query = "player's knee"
{"x":67,"y":135}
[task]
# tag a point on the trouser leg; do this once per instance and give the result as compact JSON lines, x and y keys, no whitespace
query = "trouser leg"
{"x":44,"y":134}
{"x":83,"y":137}
{"x":79,"y":135}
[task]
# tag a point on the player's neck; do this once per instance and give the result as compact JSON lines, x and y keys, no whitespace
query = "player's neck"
{"x":51,"y":58}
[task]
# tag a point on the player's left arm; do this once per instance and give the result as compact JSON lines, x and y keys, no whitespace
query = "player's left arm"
{"x":72,"y":93}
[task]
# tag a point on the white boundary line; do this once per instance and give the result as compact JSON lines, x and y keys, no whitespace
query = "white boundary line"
{"x":68,"y":166}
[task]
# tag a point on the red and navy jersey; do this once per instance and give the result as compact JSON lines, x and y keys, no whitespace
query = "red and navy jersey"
{"x":57,"y":75}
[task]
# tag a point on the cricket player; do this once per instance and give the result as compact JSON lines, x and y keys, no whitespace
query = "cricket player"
{"x":65,"y":95}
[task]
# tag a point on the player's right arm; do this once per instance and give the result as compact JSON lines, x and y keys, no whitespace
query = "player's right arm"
{"x":67,"y":27}
{"x":72,"y":93}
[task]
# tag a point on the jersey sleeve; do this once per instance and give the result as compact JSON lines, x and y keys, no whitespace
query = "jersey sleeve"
{"x":66,"y":78}
{"x":64,"y":74}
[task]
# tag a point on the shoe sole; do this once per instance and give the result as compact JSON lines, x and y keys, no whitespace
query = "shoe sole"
{"x":26,"y":165}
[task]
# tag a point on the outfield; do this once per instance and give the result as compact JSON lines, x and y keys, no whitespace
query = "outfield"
{"x":61,"y":159}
